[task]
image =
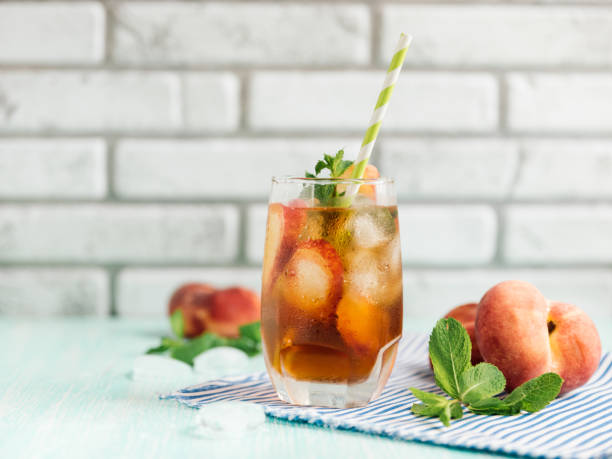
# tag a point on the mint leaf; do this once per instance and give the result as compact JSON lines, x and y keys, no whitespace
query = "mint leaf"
{"x":336,"y":165}
{"x":436,"y":405}
{"x":166,"y":344}
{"x":495,"y":406}
{"x":177,"y":323}
{"x":536,"y":393}
{"x":456,"y":410}
{"x":531,"y":396}
{"x":252,"y":331}
{"x":450,"y":352}
{"x":191,"y":349}
{"x":480,"y":382}
{"x":249,"y":342}
{"x":445,"y":415}
{"x":428,"y":397}
{"x":171,"y":342}
{"x":157,"y":349}
{"x":422,"y":409}
{"x":447,"y":410}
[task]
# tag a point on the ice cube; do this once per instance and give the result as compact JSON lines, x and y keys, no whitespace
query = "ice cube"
{"x":372,"y":228}
{"x":375,"y":274}
{"x":221,"y":361}
{"x":229,"y":419}
{"x":312,"y":279}
{"x":361,"y":200}
{"x":158,"y":368}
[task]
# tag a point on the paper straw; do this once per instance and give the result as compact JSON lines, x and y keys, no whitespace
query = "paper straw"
{"x":395,"y":67}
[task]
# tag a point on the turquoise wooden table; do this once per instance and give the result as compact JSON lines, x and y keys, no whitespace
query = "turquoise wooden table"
{"x":66,"y":391}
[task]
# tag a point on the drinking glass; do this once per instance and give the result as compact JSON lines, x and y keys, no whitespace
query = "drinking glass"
{"x":331,"y":289}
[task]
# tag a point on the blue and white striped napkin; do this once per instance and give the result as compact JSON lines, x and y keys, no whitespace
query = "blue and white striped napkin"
{"x":577,"y":425}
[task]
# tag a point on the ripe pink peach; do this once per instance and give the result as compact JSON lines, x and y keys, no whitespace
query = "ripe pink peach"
{"x":219,"y":311}
{"x":525,"y":335}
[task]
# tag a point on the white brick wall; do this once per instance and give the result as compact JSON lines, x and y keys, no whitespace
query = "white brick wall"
{"x":63,"y":101}
{"x":118,"y":233}
{"x":88,"y":101}
{"x":210,"y":101}
{"x":447,"y":235}
{"x":138,"y":138}
{"x":50,"y":168}
{"x":328,"y":101}
{"x":54,"y":32}
{"x":560,"y":103}
{"x":200,"y":168}
{"x":496,"y":35}
{"x":257,"y":217}
{"x":562,"y":235}
{"x":565,"y":169}
{"x":241,"y":33}
{"x":48,"y":292}
{"x":450,"y":168}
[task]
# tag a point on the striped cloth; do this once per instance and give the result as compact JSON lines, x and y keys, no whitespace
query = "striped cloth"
{"x":577,"y":425}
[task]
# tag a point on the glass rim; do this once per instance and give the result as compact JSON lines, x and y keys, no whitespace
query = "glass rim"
{"x":282,"y":179}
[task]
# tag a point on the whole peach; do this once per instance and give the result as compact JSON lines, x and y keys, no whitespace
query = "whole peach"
{"x":574,"y":344}
{"x":526,"y":335}
{"x":228,"y":309}
{"x":191,"y":299}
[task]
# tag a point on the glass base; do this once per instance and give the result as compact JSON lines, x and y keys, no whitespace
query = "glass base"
{"x":337,"y":395}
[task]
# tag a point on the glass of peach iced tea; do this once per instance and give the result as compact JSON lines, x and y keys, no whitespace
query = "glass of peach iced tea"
{"x":331,"y":289}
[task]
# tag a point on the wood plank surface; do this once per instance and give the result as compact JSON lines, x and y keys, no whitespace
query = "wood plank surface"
{"x":66,"y":391}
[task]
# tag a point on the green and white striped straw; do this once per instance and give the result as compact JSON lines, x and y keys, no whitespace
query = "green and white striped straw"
{"x":395,"y":67}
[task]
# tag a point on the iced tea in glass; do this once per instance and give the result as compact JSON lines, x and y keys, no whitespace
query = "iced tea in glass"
{"x":331,"y":290}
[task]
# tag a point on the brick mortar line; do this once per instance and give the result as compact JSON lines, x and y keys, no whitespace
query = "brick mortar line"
{"x":243,"y":231}
{"x":244,"y":97}
{"x":375,"y":33}
{"x":221,"y":202}
{"x":543,"y":3}
{"x":113,"y":276}
{"x":503,"y":103}
{"x":109,"y":26}
{"x":111,"y":171}
{"x":307,"y":135}
{"x":113,"y":265}
{"x":500,"y":234}
{"x":298,"y":68}
{"x":393,"y":135}
{"x":119,"y":267}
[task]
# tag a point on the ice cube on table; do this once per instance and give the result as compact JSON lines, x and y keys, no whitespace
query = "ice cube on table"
{"x":221,"y":361}
{"x":160,"y":368}
{"x":229,"y":419}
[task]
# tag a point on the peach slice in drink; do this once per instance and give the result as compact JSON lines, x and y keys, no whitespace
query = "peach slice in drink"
{"x":361,"y":324}
{"x":284,"y":226}
{"x":316,"y":363}
{"x":371,"y":172}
